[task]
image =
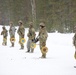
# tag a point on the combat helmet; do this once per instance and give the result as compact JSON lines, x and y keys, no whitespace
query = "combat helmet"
{"x":11,"y":22}
{"x":3,"y":27}
{"x":20,"y":22}
{"x":31,"y":24}
{"x":42,"y":24}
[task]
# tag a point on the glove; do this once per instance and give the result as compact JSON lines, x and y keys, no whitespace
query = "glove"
{"x":36,"y":40}
{"x":33,"y":40}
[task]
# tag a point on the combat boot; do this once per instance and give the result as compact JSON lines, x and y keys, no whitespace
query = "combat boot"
{"x":2,"y":43}
{"x":32,"y":50}
{"x":43,"y":56}
{"x":12,"y":45}
{"x":5,"y":43}
{"x":28,"y":51}
{"x":22,"y":47}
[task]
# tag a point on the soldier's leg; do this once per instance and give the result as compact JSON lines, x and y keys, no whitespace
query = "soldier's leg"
{"x":75,"y":53}
{"x":3,"y":42}
{"x":22,"y":46}
{"x":32,"y":49}
{"x":28,"y":45}
{"x":40,"y":49}
{"x":43,"y":44}
{"x":12,"y":44}
{"x":12,"y":40}
{"x":44,"y":55}
{"x":20,"y":42}
{"x":6,"y":41}
{"x":44,"y":52}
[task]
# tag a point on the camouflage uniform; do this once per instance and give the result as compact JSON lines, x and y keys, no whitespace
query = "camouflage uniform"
{"x":74,"y":43}
{"x":12,"y":34}
{"x":5,"y":34}
{"x":42,"y":38}
{"x":21,"y":33}
{"x":31,"y":37}
{"x":74,"y":40}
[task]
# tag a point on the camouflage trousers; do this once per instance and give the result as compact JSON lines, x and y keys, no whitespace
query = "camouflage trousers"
{"x":29,"y":42}
{"x":43,"y":44}
{"x":4,"y":41}
{"x":12,"y":40}
{"x":21,"y":44}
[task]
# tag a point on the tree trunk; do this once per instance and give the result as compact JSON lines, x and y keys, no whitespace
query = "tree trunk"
{"x":33,"y":12}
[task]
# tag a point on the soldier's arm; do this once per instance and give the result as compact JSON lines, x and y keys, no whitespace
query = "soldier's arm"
{"x":2,"y":32}
{"x":74,"y":39}
{"x":22,"y":32}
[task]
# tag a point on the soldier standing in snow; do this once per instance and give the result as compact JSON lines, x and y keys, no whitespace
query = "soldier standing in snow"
{"x":21,"y":33}
{"x":31,"y":37}
{"x":12,"y":34}
{"x":5,"y":34}
{"x":42,"y":39}
{"x":74,"y":43}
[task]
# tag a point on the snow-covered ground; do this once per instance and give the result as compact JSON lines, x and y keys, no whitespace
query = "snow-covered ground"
{"x":60,"y":57}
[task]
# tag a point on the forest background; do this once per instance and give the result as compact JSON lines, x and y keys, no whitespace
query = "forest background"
{"x":58,"y":15}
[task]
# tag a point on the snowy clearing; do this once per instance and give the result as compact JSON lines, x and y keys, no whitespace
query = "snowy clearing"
{"x":60,"y":57}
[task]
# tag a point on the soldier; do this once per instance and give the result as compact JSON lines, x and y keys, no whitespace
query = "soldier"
{"x":74,"y":43}
{"x":42,"y":39}
{"x":12,"y":34}
{"x":21,"y":33}
{"x":31,"y":37}
{"x":5,"y":34}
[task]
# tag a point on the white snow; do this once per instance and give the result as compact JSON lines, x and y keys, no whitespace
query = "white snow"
{"x":60,"y":57}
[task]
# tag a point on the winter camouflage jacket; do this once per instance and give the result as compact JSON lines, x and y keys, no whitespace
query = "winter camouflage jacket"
{"x":4,"y":33}
{"x":31,"y":33}
{"x":12,"y":31}
{"x":21,"y":31}
{"x":43,"y":34}
{"x":74,"y":40}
